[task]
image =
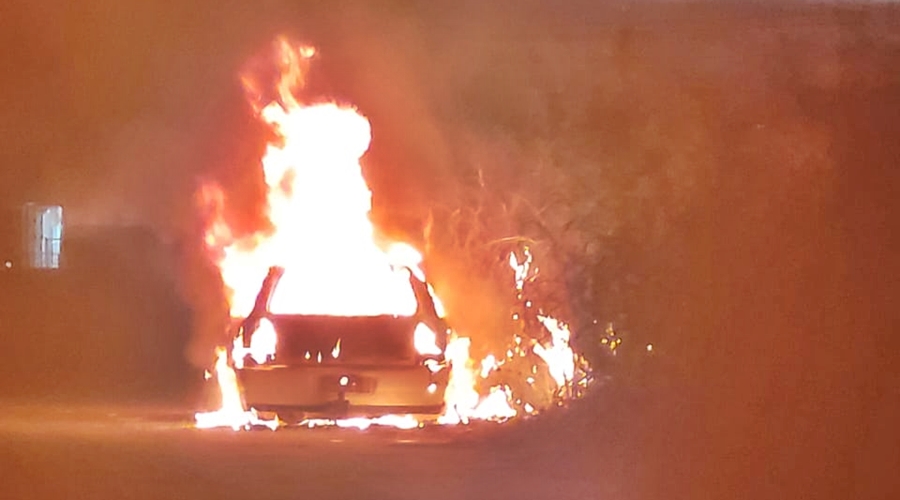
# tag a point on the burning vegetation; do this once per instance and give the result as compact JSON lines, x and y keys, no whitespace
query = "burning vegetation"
{"x":330,"y":261}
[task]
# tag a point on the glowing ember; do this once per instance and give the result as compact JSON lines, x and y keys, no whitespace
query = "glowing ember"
{"x":337,"y":349}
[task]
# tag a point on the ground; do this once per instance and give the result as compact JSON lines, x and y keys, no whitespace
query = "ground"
{"x":108,"y":451}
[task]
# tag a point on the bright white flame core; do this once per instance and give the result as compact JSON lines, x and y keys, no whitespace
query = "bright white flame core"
{"x":462,"y":401}
{"x":425,"y":340}
{"x":318,"y":204}
{"x":488,"y":364}
{"x":460,"y":397}
{"x":521,"y":269}
{"x":559,"y":356}
{"x":263,"y":342}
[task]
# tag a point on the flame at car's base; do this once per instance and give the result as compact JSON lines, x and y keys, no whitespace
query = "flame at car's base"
{"x":362,"y":423}
{"x":232,"y":413}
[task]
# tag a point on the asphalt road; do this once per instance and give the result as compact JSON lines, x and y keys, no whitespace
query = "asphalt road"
{"x":105,"y":451}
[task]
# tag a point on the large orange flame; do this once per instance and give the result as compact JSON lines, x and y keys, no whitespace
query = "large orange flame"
{"x":318,"y":203}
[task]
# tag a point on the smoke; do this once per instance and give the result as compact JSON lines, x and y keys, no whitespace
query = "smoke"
{"x":584,"y":131}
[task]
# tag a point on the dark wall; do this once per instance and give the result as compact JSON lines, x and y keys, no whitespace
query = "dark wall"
{"x":10,"y":234}
{"x":108,"y":325}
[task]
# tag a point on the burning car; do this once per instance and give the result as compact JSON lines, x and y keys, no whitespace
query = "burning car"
{"x":340,"y":366}
{"x":331,"y":318}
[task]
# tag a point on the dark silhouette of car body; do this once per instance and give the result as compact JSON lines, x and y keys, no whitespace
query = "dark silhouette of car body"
{"x":342,"y":366}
